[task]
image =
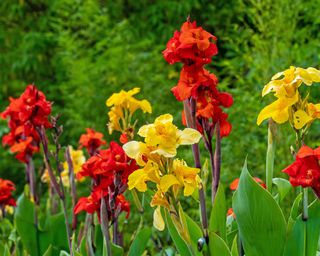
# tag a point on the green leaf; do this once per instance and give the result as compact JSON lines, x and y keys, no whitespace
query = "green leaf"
{"x":234,"y":247}
{"x":261,"y":222}
{"x":23,"y":219}
{"x":179,"y":242}
{"x":195,"y":233}
{"x":218,"y":214}
{"x":303,"y":237}
{"x":283,"y":186}
{"x":116,"y":250}
{"x":140,"y":242}
{"x":218,"y":246}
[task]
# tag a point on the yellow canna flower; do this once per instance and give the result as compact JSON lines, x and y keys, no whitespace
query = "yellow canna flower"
{"x":123,"y":106}
{"x":278,"y":110}
{"x":292,"y":79}
{"x":301,"y":117}
{"x":77,"y":158}
{"x":165,"y":137}
{"x":138,"y":179}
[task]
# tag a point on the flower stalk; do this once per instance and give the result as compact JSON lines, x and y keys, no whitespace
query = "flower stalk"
{"x":104,"y":225}
{"x":270,"y":154}
{"x":190,"y":111}
{"x":72,"y":186}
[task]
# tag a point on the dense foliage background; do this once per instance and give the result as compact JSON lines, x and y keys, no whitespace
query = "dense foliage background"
{"x":80,"y":52}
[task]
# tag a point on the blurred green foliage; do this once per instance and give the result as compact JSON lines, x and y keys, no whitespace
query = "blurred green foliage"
{"x":80,"y":52}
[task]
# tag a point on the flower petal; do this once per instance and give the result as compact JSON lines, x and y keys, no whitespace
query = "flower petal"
{"x":158,"y":221}
{"x":189,"y":136}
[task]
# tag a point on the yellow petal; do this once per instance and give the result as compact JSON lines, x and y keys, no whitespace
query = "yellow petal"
{"x":278,"y":110}
{"x":133,"y":91}
{"x":134,"y":149}
{"x":188,"y":189}
{"x":137,"y":180}
{"x":314,"y":74}
{"x":272,"y":86}
{"x":166,"y":151}
{"x":158,"y":221}
{"x":189,"y":136}
{"x":167,"y":181}
{"x":145,"y":106}
{"x":301,"y":118}
{"x":166,"y":118}
{"x":144,"y":130}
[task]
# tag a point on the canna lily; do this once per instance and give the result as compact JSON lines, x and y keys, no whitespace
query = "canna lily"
{"x":183,"y":176}
{"x":138,"y":178}
{"x":123,"y":105}
{"x":305,"y":171}
{"x":301,"y":117}
{"x":278,"y":110}
{"x":292,"y":79}
{"x":165,"y":137}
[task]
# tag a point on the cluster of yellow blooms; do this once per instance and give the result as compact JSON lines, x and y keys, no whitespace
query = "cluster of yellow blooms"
{"x":290,"y":106}
{"x":78,"y":159}
{"x":156,"y":157}
{"x":123,"y":105}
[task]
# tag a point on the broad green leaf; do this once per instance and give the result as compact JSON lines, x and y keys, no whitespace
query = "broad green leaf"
{"x":179,"y":242}
{"x":116,"y":250}
{"x":304,"y":236}
{"x":23,"y":219}
{"x":218,"y":246}
{"x":283,"y":186}
{"x":259,"y":218}
{"x":234,"y":247}
{"x":140,"y":242}
{"x":218,"y":214}
{"x":195,"y":233}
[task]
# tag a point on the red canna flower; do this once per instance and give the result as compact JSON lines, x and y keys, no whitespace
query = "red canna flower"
{"x":92,"y":141}
{"x":234,"y":184}
{"x":25,"y":114}
{"x":6,"y":189}
{"x":192,"y":46}
{"x":305,"y":171}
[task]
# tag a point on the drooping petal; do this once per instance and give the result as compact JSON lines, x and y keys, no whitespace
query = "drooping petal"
{"x":158,"y":221}
{"x":167,"y":181}
{"x":189,"y":136}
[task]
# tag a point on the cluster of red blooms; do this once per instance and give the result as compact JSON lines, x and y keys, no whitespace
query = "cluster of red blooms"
{"x":25,"y":114}
{"x":6,"y":188}
{"x":194,"y":47}
{"x":305,"y":171}
{"x":109,"y":169}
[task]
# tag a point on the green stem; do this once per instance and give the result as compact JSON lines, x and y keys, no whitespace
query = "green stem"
{"x":305,"y":204}
{"x":270,"y":154}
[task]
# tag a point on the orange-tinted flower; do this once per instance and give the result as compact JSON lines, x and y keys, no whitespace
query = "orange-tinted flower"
{"x":124,"y":138}
{"x":25,"y":114}
{"x":191,"y":83}
{"x":231,"y":213}
{"x":234,"y":184}
{"x":6,"y":189}
{"x":92,"y":140}
{"x":191,"y":45}
{"x":305,"y":171}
